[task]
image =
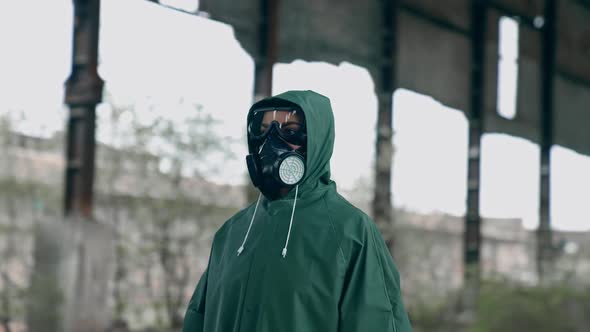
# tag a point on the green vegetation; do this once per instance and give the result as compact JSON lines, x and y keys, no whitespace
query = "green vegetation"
{"x":509,"y":307}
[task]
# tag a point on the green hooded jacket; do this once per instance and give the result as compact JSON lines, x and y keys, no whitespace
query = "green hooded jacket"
{"x":337,"y":274}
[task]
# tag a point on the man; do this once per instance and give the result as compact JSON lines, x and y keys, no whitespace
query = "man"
{"x":301,"y":258}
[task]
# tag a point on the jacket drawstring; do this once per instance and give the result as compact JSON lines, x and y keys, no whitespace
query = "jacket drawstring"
{"x":249,"y":227}
{"x":284,"y":253}
{"x":291,"y":222}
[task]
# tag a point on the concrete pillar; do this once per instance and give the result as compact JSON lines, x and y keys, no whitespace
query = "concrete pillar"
{"x":73,"y":257}
{"x":472,"y":232}
{"x":73,"y":262}
{"x":385,"y":85}
{"x":268,"y":33}
{"x":545,"y":249}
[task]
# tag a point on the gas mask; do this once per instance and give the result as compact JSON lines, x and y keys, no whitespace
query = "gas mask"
{"x":273,"y":164}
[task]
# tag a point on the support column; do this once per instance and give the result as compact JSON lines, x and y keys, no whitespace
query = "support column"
{"x":267,"y":48}
{"x":385,"y":86}
{"x":83,"y":93}
{"x":73,"y":257}
{"x":264,"y":61}
{"x":548,"y":45}
{"x":472,"y":232}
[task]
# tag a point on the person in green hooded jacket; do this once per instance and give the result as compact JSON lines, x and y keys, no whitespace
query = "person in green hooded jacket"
{"x":301,"y":258}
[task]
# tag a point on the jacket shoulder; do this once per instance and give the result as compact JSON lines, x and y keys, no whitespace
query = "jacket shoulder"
{"x":346,"y":215}
{"x":353,"y":227}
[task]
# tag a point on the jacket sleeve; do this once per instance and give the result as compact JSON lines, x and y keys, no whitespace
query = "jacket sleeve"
{"x":195,"y":313}
{"x":371,"y":299}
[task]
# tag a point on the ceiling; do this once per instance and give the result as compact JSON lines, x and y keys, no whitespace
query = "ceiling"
{"x":434,"y":51}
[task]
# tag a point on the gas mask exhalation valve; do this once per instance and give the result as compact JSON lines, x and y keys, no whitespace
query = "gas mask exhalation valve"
{"x":291,"y":169}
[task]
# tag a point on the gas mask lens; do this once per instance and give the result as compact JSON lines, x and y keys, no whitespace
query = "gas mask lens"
{"x":289,"y":124}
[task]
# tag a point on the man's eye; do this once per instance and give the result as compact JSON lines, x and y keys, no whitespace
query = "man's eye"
{"x":291,"y":130}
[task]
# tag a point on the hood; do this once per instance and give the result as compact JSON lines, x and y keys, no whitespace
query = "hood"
{"x":319,"y":121}
{"x":320,"y":135}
